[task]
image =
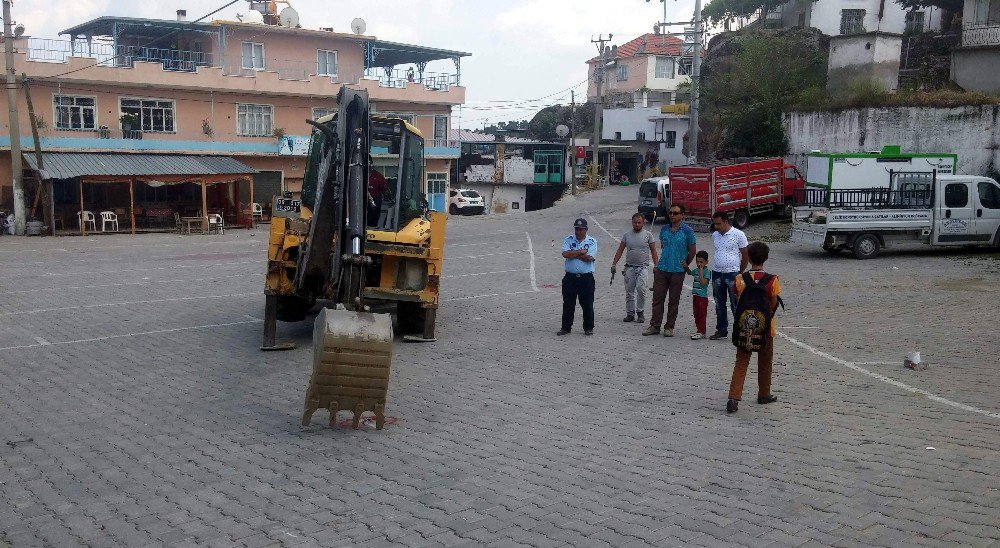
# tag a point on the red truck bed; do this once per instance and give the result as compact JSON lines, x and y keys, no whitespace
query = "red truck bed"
{"x":750,"y":185}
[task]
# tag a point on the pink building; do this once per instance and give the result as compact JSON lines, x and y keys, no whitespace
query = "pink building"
{"x":645,"y":72}
{"x":121,"y":86}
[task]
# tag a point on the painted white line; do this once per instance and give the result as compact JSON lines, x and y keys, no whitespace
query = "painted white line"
{"x":73,"y":287}
{"x":479,"y":296}
{"x":897,"y":362}
{"x":36,"y":251}
{"x":252,"y":317}
{"x":531,"y":252}
{"x":142,"y":333}
{"x":466,"y":245}
{"x":103,"y":305}
{"x":42,"y":341}
{"x":484,"y":273}
{"x":799,"y":327}
{"x":105,"y":272}
{"x":488,"y":254}
{"x":854,"y":366}
{"x":599,"y":225}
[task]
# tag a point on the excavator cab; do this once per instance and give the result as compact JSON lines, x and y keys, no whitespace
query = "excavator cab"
{"x":358,"y":235}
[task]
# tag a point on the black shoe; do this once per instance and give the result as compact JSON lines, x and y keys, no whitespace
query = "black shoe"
{"x":766,"y":400}
{"x":562,"y":332}
{"x":639,"y":318}
{"x":629,"y":318}
{"x":717,"y":335}
{"x":732,"y":406}
{"x":588,"y":331}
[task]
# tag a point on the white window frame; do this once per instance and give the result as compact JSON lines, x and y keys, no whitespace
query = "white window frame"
{"x":254,"y":58}
{"x":911,"y":19}
{"x":319,"y":112}
{"x":266,"y":121}
{"x":444,"y":136}
{"x":443,"y":179}
{"x":319,"y":66}
{"x":56,"y":107}
{"x":142,"y":113}
{"x":622,"y":72}
{"x":852,"y":15}
{"x":665,"y":74}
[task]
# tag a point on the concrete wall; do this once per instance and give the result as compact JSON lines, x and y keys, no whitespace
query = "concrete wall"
{"x":825,"y":16}
{"x":977,"y":69}
{"x":501,"y":198}
{"x":971,"y":132}
{"x":515,"y":170}
{"x":858,"y":57}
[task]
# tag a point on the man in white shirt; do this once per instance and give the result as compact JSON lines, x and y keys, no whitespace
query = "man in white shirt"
{"x":730,"y":259}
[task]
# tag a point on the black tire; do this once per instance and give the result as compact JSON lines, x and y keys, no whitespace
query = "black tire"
{"x":410,"y":318}
{"x":292,"y":309}
{"x":452,"y":209}
{"x":866,"y":246}
{"x":741,"y":218}
{"x":785,"y":211}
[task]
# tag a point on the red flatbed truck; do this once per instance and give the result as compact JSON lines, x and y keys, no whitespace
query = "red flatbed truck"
{"x":739,"y":186}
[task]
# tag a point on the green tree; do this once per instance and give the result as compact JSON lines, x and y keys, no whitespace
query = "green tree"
{"x":746,"y":102}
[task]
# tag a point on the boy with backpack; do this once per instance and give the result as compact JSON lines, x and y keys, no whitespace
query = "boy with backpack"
{"x":758,"y":296}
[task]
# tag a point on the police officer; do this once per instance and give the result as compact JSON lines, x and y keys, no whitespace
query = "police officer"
{"x":580,"y":252}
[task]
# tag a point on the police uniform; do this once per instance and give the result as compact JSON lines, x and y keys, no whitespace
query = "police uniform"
{"x":578,"y":283}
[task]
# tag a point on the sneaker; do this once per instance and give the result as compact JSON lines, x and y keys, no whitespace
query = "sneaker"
{"x":718,"y":335}
{"x":732,"y":406}
{"x":639,"y":318}
{"x":668,"y":332}
{"x":767,"y":399}
{"x":562,"y":332}
{"x":651,"y":330}
{"x":697,"y":336}
{"x":588,"y":331}
{"x":629,"y":318}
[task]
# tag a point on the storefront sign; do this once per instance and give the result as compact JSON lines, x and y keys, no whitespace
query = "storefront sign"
{"x":293,"y":145}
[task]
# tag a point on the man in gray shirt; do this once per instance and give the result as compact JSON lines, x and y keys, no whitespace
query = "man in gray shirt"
{"x":641,"y":245}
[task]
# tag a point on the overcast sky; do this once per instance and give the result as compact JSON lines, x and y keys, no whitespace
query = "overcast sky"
{"x":522,"y":50}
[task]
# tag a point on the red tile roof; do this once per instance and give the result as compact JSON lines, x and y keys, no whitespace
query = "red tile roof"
{"x":655,"y":44}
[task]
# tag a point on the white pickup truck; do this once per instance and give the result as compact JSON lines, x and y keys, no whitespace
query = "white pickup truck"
{"x":945,"y":210}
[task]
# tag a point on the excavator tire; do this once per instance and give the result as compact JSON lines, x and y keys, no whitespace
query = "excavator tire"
{"x":292,"y":308}
{"x":410,"y":318}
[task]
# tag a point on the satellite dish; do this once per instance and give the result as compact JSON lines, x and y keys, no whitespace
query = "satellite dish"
{"x":288,"y":17}
{"x":18,"y":30}
{"x":254,"y":16}
{"x":562,"y":130}
{"x":358,"y":26}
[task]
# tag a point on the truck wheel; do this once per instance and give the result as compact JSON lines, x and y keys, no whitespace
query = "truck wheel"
{"x":741,"y":218}
{"x":786,"y":210}
{"x":410,"y":317}
{"x":866,"y":246}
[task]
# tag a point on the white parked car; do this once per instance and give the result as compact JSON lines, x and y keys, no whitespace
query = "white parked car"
{"x":465,"y":201}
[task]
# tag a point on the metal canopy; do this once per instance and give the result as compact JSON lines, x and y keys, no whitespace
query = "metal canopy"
{"x":380,"y":53}
{"x":105,"y":26}
{"x":66,"y":165}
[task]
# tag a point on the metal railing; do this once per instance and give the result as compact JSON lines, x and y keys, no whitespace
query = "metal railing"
{"x":865,"y":198}
{"x":122,"y":56}
{"x":398,"y":78}
{"x":981,"y":34}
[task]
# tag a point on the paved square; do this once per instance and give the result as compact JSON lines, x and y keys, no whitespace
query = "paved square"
{"x":136,"y":408}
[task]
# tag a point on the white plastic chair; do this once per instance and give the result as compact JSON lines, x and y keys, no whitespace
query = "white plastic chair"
{"x":109,"y":217}
{"x":215,"y":222}
{"x":85,"y":218}
{"x":258,"y":212}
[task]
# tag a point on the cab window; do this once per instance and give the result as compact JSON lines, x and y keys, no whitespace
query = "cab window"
{"x":989,"y":195}
{"x":411,"y":191}
{"x":956,"y":195}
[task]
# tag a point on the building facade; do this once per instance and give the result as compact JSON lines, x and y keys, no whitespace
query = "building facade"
{"x":975,"y":65}
{"x":646,"y":130}
{"x":645,"y":72}
{"x":229,"y":88}
{"x":838,"y":17}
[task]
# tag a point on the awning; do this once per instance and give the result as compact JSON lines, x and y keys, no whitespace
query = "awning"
{"x":67,"y":165}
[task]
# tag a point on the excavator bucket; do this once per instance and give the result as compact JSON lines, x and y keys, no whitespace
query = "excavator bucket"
{"x":352,"y":353}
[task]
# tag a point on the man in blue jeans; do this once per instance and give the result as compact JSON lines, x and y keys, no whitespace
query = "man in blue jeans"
{"x":730,"y":259}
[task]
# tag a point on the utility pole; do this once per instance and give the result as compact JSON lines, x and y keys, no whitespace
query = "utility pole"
{"x":15,"y":127}
{"x":572,"y":138}
{"x":598,"y":107}
{"x":695,"y":84}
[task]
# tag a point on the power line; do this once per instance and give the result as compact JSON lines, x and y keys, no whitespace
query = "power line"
{"x":155,"y":40}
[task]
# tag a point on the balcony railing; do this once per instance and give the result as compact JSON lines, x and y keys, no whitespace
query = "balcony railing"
{"x":107,"y":54}
{"x":398,"y":78}
{"x":981,"y":34}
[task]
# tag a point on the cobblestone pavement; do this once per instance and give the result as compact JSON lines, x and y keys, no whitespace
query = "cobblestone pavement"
{"x":137,"y":410}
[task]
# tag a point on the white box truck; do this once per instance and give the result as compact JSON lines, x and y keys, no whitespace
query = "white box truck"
{"x":849,"y":170}
{"x":945,"y":210}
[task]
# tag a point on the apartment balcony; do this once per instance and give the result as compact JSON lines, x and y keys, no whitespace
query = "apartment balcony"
{"x":121,"y":66}
{"x":976,"y":64}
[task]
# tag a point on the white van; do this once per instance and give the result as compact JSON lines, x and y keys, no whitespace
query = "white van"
{"x":654,"y":197}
